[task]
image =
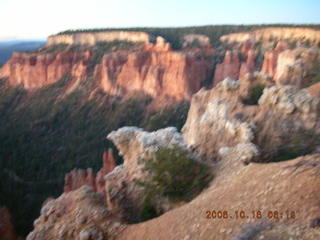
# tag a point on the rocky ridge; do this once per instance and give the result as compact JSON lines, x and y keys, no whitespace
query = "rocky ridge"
{"x":93,"y":38}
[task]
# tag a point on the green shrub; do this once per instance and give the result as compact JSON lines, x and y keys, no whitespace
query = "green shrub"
{"x":255,"y":94}
{"x":174,"y":174}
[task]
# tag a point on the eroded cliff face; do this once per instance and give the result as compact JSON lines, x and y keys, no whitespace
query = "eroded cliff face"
{"x":293,"y":66}
{"x":172,"y":74}
{"x":154,"y":70}
{"x":281,"y":53}
{"x":91,"y":39}
{"x":36,"y":70}
{"x":265,"y":34}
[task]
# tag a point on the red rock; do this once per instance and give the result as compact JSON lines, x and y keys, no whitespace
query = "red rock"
{"x":156,"y":70}
{"x":173,"y":74}
{"x":109,"y":163}
{"x":271,"y":58}
{"x":229,"y":68}
{"x":35,"y":70}
{"x":249,"y":66}
{"x":78,"y":177}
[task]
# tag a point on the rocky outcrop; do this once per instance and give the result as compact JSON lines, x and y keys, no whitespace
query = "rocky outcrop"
{"x":79,"y":177}
{"x":196,"y":40}
{"x":36,"y":70}
{"x":213,"y":123}
{"x":250,"y":65}
{"x":293,"y":66}
{"x":109,"y":163}
{"x":270,"y":61}
{"x":159,"y":74}
{"x":314,"y":90}
{"x":93,"y":38}
{"x":230,"y":67}
{"x":154,"y":70}
{"x":78,"y":215}
{"x":124,"y":196}
{"x":6,"y":227}
{"x":221,"y":124}
{"x":279,"y":33}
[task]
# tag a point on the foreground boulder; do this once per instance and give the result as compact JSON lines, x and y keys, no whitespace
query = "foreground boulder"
{"x":124,"y":196}
{"x":80,"y":215}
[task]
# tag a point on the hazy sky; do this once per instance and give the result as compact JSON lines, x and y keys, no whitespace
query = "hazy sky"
{"x":30,"y":19}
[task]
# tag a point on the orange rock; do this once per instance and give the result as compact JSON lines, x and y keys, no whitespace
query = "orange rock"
{"x":174,"y":74}
{"x":78,"y":177}
{"x":249,"y":66}
{"x":156,"y":70}
{"x":35,"y":70}
{"x":271,"y":58}
{"x":229,"y":68}
{"x":109,"y":163}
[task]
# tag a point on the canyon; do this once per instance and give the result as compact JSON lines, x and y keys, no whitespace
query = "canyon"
{"x":253,"y":120}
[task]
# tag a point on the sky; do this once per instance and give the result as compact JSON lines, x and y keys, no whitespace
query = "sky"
{"x":37,"y":19}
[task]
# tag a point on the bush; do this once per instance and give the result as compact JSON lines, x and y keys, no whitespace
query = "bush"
{"x":255,"y":94}
{"x":174,"y":174}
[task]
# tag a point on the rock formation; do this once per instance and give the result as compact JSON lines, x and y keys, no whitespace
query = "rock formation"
{"x":91,"y":39}
{"x":220,"y":118}
{"x":153,"y":70}
{"x":109,"y":163}
{"x":36,"y":70}
{"x":230,"y":67}
{"x":314,"y":90}
{"x":271,"y":58}
{"x":250,"y":65}
{"x":198,"y":40}
{"x":80,"y":215}
{"x":124,"y":196}
{"x":293,"y":66}
{"x":173,"y":74}
{"x":265,"y":34}
{"x":78,"y":177}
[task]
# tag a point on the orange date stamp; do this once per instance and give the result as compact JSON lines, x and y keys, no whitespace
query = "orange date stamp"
{"x":255,"y":214}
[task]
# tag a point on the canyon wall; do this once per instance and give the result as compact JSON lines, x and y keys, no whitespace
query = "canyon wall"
{"x":153,"y":69}
{"x":91,"y":39}
{"x":36,"y":70}
{"x":172,"y":74}
{"x":265,"y":34}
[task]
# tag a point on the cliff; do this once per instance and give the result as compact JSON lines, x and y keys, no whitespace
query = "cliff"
{"x":91,"y":39}
{"x":174,"y":74}
{"x":152,"y":69}
{"x":265,"y":34}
